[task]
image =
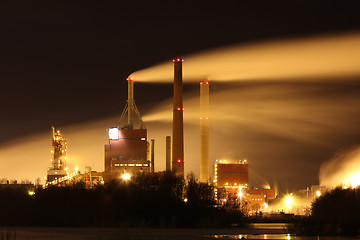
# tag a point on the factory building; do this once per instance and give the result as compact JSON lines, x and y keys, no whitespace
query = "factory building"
{"x":232,"y":187}
{"x":127,"y":150}
{"x":58,"y":161}
{"x":231,"y":174}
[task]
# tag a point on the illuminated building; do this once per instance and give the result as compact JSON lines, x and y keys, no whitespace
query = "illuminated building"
{"x":127,"y":151}
{"x":58,"y":163}
{"x":269,"y":194}
{"x":232,"y":180}
{"x":231,"y":174}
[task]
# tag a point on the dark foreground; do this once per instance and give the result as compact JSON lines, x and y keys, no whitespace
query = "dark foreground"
{"x":266,"y":231}
{"x":22,"y":233}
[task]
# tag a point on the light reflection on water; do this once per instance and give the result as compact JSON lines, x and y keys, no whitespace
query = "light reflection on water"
{"x":34,"y":233}
{"x":282,"y":237}
{"x":258,"y":236}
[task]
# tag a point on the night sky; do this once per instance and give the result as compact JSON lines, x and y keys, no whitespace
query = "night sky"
{"x":65,"y":62}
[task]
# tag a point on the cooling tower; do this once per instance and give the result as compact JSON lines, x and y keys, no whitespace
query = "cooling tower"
{"x":178,"y":131}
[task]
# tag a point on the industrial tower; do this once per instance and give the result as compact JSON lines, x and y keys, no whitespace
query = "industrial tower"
{"x":204,"y":131}
{"x":178,"y":130}
{"x":127,"y":151}
{"x":58,"y":163}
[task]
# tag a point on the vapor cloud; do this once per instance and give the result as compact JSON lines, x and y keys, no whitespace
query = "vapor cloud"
{"x":342,"y":170}
{"x":324,"y":56}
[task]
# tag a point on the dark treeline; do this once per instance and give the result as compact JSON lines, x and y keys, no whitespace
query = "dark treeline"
{"x":335,"y":213}
{"x":154,"y":200}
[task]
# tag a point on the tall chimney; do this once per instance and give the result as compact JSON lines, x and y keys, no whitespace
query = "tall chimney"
{"x":204,"y":131}
{"x":152,"y":155}
{"x":178,"y":132}
{"x":130,"y":102}
{"x":168,"y":153}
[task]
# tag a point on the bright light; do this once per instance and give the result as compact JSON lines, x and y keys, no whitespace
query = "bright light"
{"x":185,"y":199}
{"x":266,"y":205}
{"x":31,"y":193}
{"x":318,"y":193}
{"x":76,"y":169}
{"x":288,"y":201}
{"x":126,"y":176}
{"x":113,"y":133}
{"x":355,"y":180}
{"x":240,"y":194}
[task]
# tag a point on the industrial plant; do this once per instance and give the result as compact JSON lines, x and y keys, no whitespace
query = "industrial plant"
{"x":58,"y":168}
{"x":129,"y":154}
{"x":127,"y":150}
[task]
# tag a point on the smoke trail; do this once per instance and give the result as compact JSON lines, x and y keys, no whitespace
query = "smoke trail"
{"x":326,"y":56}
{"x":283,"y":130}
{"x":342,"y":170}
{"x":29,"y":157}
{"x":280,"y":128}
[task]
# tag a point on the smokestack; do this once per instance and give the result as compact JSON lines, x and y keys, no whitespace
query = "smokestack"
{"x":204,"y":131}
{"x":178,"y":132}
{"x":168,"y":153}
{"x":130,"y":102}
{"x":152,"y":155}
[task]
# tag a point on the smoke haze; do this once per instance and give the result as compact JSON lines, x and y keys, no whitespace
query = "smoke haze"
{"x":326,"y":56}
{"x":342,"y":170}
{"x":285,"y":129}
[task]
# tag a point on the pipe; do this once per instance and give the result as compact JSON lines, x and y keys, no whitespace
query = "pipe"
{"x":204,"y":131}
{"x":178,"y":131}
{"x":168,"y":153}
{"x":130,"y":102}
{"x":152,"y":155}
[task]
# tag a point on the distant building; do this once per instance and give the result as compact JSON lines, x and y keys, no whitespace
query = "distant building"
{"x":58,"y":168}
{"x":127,"y":150}
{"x":268,"y":194}
{"x":231,"y":174}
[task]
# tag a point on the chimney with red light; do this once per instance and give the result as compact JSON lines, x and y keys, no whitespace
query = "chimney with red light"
{"x":178,"y":131}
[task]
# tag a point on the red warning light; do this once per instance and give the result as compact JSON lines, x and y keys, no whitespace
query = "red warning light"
{"x":179,"y":160}
{"x":178,"y":60}
{"x":178,"y":108}
{"x":183,"y":109}
{"x":207,"y":82}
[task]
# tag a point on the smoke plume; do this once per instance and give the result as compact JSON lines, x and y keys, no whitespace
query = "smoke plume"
{"x":326,"y":56}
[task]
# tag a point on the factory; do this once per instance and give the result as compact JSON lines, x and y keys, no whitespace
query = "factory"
{"x":127,"y":150}
{"x":128,"y":153}
{"x":231,"y":180}
{"x":58,"y":168}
